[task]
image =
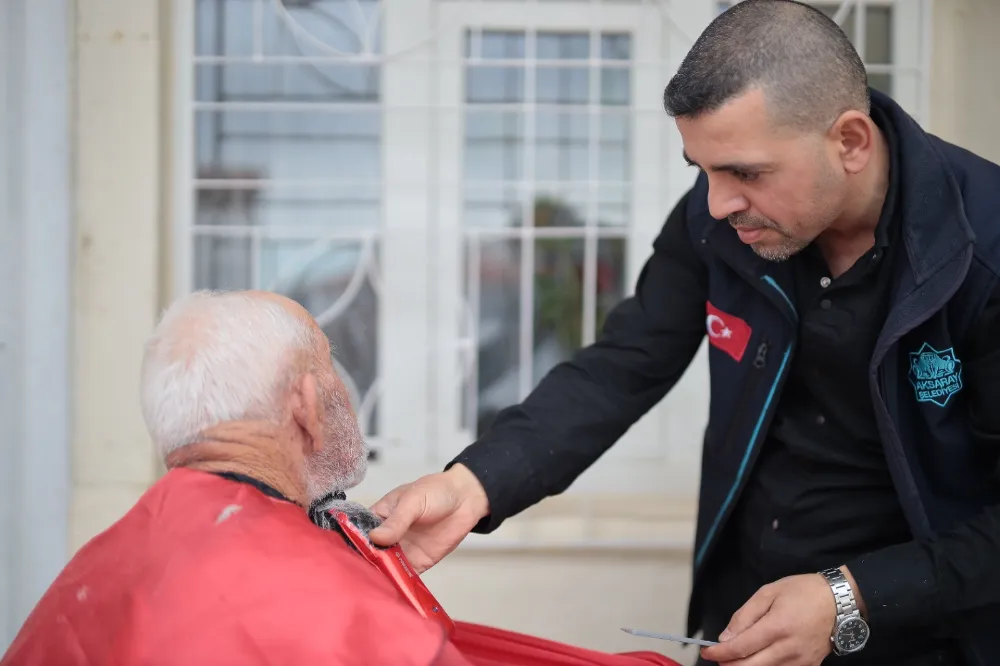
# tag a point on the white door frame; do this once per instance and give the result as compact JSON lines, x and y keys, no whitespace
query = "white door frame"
{"x":36,"y":239}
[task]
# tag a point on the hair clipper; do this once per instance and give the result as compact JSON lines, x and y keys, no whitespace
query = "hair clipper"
{"x":353,"y":522}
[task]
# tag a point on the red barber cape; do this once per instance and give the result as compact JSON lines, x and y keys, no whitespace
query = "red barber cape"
{"x":207,"y":571}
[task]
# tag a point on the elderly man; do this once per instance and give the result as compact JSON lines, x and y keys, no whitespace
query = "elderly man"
{"x":218,"y":563}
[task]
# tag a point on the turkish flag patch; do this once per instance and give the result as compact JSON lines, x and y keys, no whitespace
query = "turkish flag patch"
{"x":727,"y":332}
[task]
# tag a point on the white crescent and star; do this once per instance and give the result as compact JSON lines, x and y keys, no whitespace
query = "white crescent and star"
{"x":717,"y":327}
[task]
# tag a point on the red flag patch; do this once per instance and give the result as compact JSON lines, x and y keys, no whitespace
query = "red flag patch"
{"x":727,"y":332}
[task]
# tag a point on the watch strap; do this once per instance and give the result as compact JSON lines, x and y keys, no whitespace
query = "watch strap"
{"x":842,"y":593}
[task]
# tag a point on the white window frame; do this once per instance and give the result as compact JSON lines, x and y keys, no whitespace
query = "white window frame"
{"x":660,"y":453}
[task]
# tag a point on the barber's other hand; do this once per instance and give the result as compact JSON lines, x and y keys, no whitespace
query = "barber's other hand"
{"x":429,"y":517}
{"x":786,"y":623}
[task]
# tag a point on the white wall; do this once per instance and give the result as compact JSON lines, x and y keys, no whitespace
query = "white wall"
{"x":965,"y":84}
{"x":118,"y":115}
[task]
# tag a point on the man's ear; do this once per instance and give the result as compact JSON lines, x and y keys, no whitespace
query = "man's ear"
{"x":306,"y":412}
{"x":854,"y":134}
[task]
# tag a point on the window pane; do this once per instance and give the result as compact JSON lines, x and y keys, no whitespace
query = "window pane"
{"x":289,"y":145}
{"x":562,"y":46}
{"x":282,"y":82}
{"x":878,"y":35}
{"x":321,"y":27}
{"x":336,"y":281}
{"x":562,"y":147}
{"x":494,"y":145}
{"x":615,"y":155}
{"x":562,"y":85}
{"x":313,"y":210}
{"x":616,"y":46}
{"x":560,"y":208}
{"x":492,"y":295}
{"x":224,"y":27}
{"x":882,"y":82}
{"x":494,"y":45}
{"x":616,"y":86}
{"x":222,"y":263}
{"x":558,"y":306}
{"x":611,"y":287}
{"x":493,"y":206}
{"x":494,"y":85}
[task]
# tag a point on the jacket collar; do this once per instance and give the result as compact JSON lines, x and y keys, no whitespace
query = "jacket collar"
{"x":934,"y":226}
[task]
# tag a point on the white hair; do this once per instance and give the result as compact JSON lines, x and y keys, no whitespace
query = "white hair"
{"x":216,"y":357}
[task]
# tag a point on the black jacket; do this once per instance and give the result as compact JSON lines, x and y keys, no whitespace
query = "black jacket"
{"x":934,"y":381}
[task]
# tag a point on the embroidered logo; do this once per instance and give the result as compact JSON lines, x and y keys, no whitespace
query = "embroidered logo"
{"x":727,"y":332}
{"x":935,"y":375}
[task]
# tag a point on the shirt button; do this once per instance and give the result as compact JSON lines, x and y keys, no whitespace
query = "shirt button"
{"x":774,"y":524}
{"x":820,"y":419}
{"x":825,"y":304}
{"x":824,"y":282}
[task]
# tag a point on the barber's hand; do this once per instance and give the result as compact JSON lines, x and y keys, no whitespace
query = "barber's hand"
{"x":429,"y":517}
{"x":786,"y":623}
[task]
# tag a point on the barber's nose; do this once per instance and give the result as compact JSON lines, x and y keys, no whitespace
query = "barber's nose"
{"x":723,"y":201}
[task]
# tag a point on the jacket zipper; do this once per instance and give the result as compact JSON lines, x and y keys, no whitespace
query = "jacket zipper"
{"x":736,"y":424}
{"x":759,"y":363}
{"x":760,"y":360}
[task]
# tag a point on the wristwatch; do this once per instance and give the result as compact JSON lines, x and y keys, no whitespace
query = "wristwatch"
{"x":850,"y":631}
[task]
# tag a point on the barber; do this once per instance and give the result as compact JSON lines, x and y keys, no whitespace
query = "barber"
{"x":844,"y":266}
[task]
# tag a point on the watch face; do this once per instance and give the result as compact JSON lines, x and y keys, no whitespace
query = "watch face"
{"x":852,"y":634}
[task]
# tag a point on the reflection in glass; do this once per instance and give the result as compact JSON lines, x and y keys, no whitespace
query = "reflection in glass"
{"x":287,"y":82}
{"x":494,"y":142}
{"x":337,"y":282}
{"x":558,"y":306}
{"x":222,"y":263}
{"x":492,"y":206}
{"x":614,"y":154}
{"x":319,"y":210}
{"x":562,"y":146}
{"x":614,"y":205}
{"x":611,"y":285}
{"x":228,"y":27}
{"x":289,"y":145}
{"x":878,"y":38}
{"x":494,"y":85}
{"x":492,"y":268}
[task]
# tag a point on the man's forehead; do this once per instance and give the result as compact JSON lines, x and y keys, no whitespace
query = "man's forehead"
{"x":737,"y":136}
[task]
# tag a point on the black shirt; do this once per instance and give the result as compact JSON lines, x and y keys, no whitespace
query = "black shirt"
{"x":821,"y":492}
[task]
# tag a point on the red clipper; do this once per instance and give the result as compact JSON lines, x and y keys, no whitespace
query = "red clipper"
{"x":393,"y":563}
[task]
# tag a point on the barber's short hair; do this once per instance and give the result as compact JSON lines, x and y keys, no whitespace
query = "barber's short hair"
{"x":216,"y":357}
{"x":806,"y":66}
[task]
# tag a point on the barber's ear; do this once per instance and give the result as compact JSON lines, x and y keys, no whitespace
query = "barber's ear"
{"x":854,"y":134}
{"x":306,"y":411}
